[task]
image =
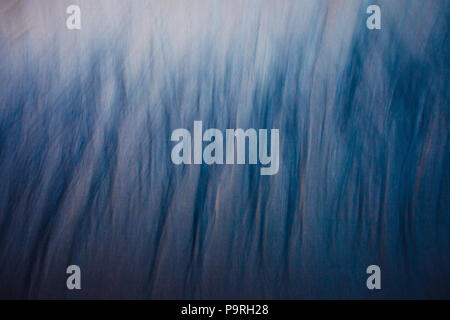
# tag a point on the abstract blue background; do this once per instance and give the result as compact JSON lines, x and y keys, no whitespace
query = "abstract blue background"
{"x":86,"y":176}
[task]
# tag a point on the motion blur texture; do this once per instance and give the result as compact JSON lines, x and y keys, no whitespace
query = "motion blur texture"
{"x":86,"y":175}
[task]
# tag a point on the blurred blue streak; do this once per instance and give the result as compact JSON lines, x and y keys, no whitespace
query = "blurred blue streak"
{"x":85,"y":170}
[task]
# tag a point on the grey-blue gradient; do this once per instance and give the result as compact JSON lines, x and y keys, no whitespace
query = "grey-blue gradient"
{"x":86,"y":176}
